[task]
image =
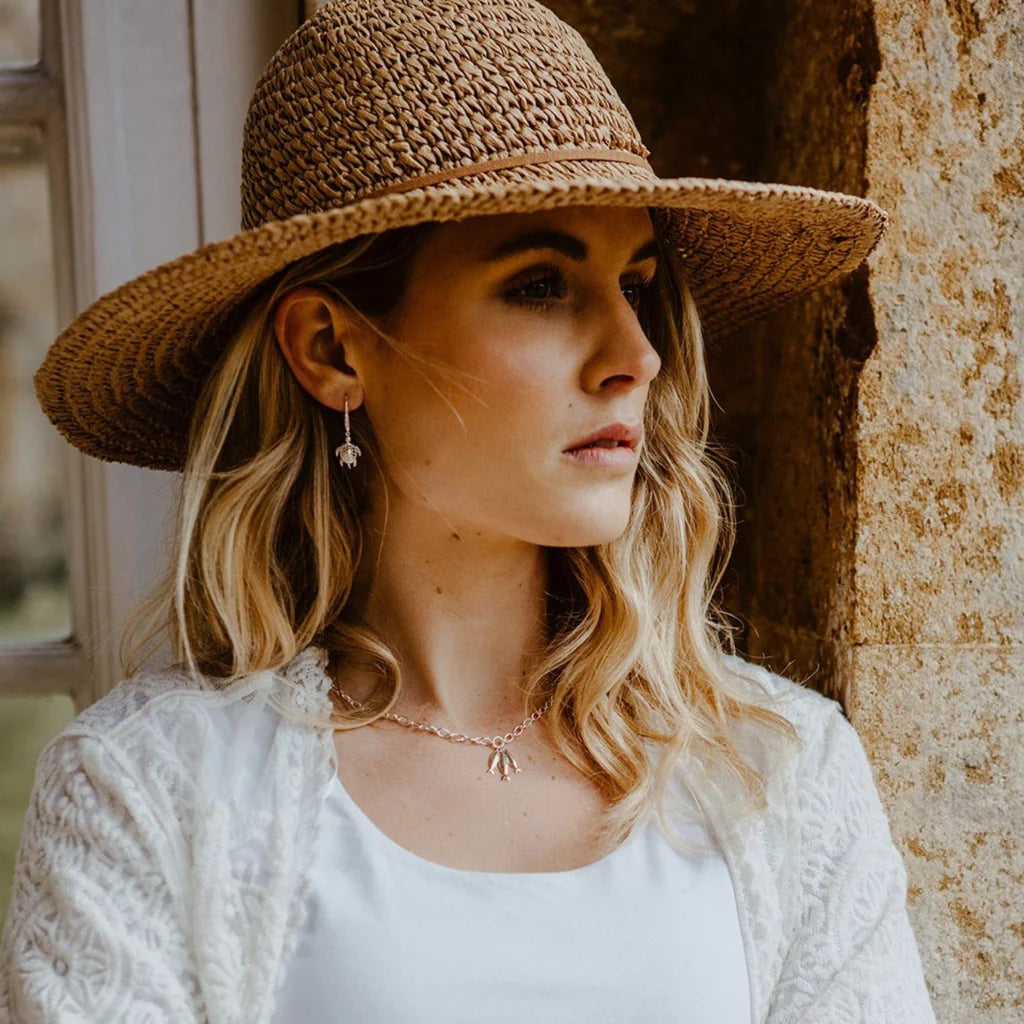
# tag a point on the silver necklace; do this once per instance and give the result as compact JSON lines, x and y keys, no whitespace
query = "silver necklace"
{"x":500,"y":760}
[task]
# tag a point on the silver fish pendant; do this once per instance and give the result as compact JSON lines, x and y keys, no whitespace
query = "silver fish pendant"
{"x":347,"y":453}
{"x":505,"y":763}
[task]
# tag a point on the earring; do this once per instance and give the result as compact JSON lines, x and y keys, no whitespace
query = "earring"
{"x":347,"y":453}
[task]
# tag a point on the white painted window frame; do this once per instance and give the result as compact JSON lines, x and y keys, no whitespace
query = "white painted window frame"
{"x":142,"y":103}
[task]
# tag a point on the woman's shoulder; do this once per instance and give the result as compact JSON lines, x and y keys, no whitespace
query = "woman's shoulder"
{"x":131,"y":696}
{"x":138,"y":698}
{"x":169,"y":738}
{"x":177,"y":735}
{"x":159,"y":692}
{"x":796,"y":698}
{"x":819,"y":720}
{"x":832,"y":777}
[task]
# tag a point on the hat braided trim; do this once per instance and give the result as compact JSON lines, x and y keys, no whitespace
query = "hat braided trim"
{"x":617,"y":156}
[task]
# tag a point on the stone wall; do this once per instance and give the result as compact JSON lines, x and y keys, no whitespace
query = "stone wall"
{"x":877,"y":426}
{"x":935,"y":653}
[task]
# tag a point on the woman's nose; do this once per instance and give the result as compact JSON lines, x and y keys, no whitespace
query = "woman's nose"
{"x":622,"y":348}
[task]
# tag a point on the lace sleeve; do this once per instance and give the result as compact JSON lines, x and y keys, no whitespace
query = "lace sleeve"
{"x":92,"y":931}
{"x":853,"y":958}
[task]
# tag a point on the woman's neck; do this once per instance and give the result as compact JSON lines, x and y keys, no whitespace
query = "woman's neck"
{"x":465,"y":615}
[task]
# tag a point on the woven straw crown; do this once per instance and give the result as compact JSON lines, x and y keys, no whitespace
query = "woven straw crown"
{"x":378,"y":114}
{"x":375,"y":98}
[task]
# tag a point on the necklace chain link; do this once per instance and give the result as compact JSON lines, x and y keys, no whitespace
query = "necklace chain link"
{"x":500,"y":758}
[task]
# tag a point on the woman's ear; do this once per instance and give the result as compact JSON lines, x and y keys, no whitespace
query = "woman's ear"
{"x":319,"y":340}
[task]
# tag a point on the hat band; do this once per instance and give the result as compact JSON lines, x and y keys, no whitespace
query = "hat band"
{"x":524,"y":160}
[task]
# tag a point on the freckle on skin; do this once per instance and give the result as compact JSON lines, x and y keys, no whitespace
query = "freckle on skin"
{"x":438,"y":589}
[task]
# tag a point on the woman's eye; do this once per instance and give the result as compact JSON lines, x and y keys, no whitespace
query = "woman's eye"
{"x":638,"y":286}
{"x":539,"y":291}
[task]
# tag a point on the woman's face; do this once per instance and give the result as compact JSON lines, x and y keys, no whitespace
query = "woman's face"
{"x":539,"y":310}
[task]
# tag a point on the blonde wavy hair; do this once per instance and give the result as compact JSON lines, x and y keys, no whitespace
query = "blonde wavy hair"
{"x":269,"y":538}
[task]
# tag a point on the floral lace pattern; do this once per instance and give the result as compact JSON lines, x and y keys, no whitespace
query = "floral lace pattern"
{"x":164,"y":864}
{"x":822,"y":887}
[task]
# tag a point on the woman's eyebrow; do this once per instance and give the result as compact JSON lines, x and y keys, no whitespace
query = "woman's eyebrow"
{"x":568,"y":245}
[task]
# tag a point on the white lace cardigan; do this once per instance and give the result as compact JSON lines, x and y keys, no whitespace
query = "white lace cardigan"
{"x":162,"y":872}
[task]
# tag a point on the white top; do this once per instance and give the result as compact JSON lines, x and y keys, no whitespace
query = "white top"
{"x":645,"y":934}
{"x":169,"y":840}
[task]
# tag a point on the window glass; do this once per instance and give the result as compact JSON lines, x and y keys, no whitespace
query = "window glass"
{"x":27,"y":724}
{"x":33,"y":570}
{"x":19,"y":31}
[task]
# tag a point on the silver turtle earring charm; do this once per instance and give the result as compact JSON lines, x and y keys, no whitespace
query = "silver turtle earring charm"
{"x":347,"y":453}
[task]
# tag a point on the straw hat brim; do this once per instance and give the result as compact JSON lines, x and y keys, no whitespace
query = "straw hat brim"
{"x":120,"y":381}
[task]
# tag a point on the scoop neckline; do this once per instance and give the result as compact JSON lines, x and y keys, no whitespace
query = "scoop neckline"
{"x":396,"y":849}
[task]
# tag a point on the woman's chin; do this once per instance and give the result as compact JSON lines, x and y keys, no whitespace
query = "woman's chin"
{"x":588,"y":531}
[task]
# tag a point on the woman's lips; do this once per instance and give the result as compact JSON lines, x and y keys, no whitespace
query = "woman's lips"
{"x":620,"y":456}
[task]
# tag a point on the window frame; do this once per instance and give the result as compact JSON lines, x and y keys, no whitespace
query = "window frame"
{"x":33,"y":95}
{"x":141,"y":107}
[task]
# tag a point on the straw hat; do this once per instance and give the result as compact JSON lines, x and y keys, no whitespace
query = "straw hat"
{"x":377,"y":114}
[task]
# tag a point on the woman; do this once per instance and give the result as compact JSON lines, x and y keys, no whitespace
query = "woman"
{"x":412,"y":567}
